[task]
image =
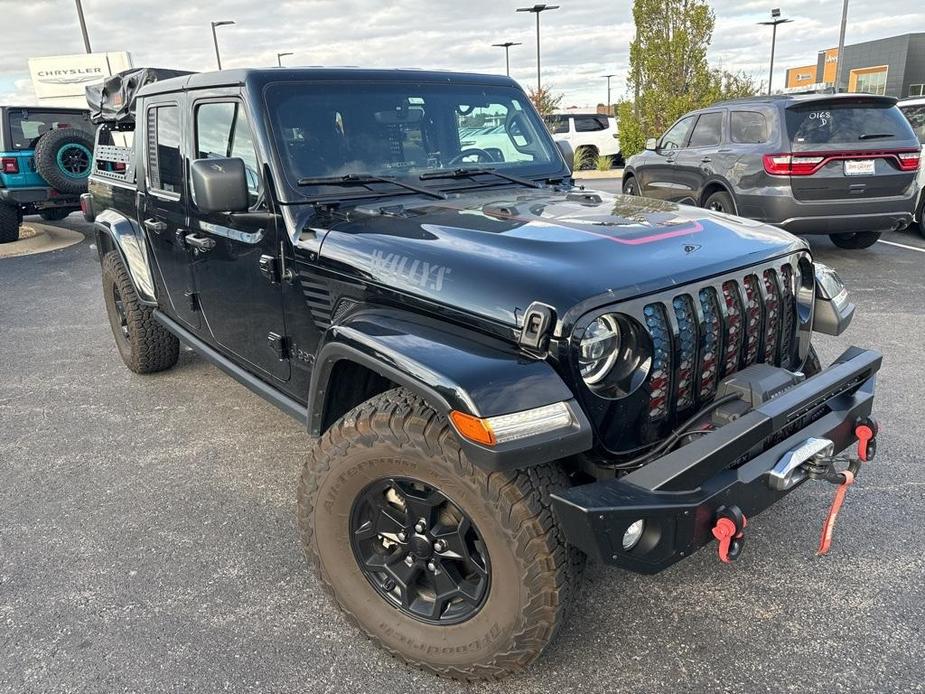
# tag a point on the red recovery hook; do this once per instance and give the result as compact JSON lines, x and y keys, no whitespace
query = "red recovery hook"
{"x":729,"y":531}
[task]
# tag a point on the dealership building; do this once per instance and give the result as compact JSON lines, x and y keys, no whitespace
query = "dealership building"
{"x":893,"y":66}
{"x":60,"y":80}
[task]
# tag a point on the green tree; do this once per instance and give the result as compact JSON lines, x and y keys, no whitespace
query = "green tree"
{"x":669,"y":73}
{"x":545,"y":101}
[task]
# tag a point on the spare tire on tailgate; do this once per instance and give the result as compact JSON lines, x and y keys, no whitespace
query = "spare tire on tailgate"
{"x":63,"y":157}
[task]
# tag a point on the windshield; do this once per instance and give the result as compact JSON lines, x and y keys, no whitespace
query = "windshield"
{"x":401,"y":130}
{"x":831,"y":123}
{"x":916,"y":116}
{"x":28,"y":125}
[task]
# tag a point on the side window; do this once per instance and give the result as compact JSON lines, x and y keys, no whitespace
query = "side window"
{"x":676,"y":137}
{"x":557,"y":124}
{"x":748,"y":127}
{"x":165,"y":166}
{"x":708,"y":131}
{"x":222,"y":130}
{"x":590,"y":124}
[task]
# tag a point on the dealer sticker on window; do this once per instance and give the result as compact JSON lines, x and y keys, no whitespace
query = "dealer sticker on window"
{"x":859,"y":167}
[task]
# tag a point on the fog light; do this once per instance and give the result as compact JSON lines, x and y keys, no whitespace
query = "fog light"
{"x":632,"y":534}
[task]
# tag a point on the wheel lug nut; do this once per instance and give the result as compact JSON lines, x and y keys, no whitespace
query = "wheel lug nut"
{"x":420,"y":526}
{"x":431,"y":566}
{"x":409,"y":560}
{"x":439,"y":545}
{"x":388,"y":584}
{"x":402,"y":537}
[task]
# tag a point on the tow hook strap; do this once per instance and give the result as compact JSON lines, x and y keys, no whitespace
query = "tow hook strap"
{"x":828,"y":527}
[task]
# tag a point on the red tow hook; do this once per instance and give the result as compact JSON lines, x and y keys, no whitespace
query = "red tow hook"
{"x":729,"y":531}
{"x":866,"y":431}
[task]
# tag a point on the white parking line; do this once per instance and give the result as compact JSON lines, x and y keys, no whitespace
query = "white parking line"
{"x":902,"y":245}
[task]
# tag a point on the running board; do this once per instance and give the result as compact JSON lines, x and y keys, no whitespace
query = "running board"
{"x":293,"y":408}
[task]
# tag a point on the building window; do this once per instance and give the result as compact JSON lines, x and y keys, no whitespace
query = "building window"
{"x":868,"y":80}
{"x":917,"y":90}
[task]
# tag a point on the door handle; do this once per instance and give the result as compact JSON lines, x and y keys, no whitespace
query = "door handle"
{"x":203,"y":244}
{"x":154,"y":226}
{"x":706,"y":160}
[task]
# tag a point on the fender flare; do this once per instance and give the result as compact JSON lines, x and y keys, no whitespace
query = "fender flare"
{"x":129,"y":239}
{"x":453,"y":369}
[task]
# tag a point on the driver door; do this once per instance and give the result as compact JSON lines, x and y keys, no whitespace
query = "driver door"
{"x":242,"y":307}
{"x":659,"y":177}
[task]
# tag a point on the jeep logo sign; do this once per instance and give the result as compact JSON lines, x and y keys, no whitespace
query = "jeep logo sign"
{"x":60,"y":80}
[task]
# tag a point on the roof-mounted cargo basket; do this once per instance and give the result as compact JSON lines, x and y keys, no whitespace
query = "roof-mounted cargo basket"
{"x":112,"y":103}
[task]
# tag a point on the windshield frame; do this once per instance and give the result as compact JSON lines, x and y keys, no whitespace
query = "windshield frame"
{"x":555,"y":168}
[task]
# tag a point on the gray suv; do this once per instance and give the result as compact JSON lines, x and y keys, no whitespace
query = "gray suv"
{"x":843,"y":165}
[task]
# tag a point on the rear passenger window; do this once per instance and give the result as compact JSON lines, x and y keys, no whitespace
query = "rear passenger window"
{"x":589,"y":124}
{"x":708,"y":131}
{"x":748,"y":127}
{"x":165,"y":167}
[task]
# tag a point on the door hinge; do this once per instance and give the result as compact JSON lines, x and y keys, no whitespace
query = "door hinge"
{"x":269,"y":268}
{"x":193,"y":299}
{"x":280,"y":345}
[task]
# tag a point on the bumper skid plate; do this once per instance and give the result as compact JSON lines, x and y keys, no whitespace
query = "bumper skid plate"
{"x":681,"y":496}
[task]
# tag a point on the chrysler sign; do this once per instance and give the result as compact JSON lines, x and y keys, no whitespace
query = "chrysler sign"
{"x":61,"y":79}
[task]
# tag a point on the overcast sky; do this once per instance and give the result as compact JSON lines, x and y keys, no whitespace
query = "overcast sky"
{"x":581,"y":41}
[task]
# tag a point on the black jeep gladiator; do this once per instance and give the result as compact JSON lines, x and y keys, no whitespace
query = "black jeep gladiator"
{"x":501,"y":374}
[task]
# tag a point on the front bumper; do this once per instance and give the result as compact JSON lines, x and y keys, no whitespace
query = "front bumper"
{"x":678,"y":495}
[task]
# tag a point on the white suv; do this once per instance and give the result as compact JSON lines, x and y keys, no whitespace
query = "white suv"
{"x":914,"y":110}
{"x":596,"y":131}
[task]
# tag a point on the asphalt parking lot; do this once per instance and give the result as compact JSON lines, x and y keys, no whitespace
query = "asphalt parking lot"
{"x":148,"y":539}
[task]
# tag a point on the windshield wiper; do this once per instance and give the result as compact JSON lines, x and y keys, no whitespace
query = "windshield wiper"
{"x":875,"y":136}
{"x":462,"y":173}
{"x":366,"y":179}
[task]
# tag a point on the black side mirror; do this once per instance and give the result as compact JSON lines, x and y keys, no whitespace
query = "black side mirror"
{"x":565,"y":149}
{"x":219,"y":185}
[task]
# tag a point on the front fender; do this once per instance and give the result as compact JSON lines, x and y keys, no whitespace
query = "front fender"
{"x":128,"y":238}
{"x":452,"y":369}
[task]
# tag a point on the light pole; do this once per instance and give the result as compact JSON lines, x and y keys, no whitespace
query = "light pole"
{"x":218,"y":57}
{"x":841,"y":47}
{"x":279,"y":58}
{"x":775,"y":20}
{"x":83,"y":26}
{"x":608,"y":91}
{"x":507,"y":54}
{"x":537,"y":10}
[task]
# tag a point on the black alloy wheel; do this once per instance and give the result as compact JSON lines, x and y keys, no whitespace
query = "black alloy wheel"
{"x":419,"y":551}
{"x":119,"y":305}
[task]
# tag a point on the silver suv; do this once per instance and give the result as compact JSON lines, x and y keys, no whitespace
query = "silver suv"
{"x":843,"y":165}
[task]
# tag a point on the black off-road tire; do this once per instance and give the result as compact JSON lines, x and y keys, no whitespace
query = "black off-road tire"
{"x":720,"y":201}
{"x":47,"y":163}
{"x":145,"y":345}
{"x":534,"y":574}
{"x":54,"y":214}
{"x":856,"y":240}
{"x":10,"y":219}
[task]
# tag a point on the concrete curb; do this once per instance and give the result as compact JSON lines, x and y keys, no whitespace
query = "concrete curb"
{"x":46,"y":238}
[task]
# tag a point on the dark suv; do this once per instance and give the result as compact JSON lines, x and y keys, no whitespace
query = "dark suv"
{"x":500,"y":373}
{"x":843,"y":165}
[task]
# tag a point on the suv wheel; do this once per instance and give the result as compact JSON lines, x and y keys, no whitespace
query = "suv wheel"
{"x":856,"y":240}
{"x":144,"y":344}
{"x":450,"y":568}
{"x":629,"y":186}
{"x":720,"y":201}
{"x":10,"y":218}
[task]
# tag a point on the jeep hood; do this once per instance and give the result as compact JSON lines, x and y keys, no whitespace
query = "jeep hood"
{"x":494,"y":252}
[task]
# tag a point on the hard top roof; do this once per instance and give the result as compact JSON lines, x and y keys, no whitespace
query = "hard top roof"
{"x":46,"y":109}
{"x":237,"y":77}
{"x":806,"y":97}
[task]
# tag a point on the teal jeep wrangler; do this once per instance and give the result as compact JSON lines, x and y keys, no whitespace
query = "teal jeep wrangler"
{"x":46,"y":158}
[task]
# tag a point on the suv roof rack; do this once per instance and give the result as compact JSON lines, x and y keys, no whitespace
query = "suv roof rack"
{"x":112,"y":103}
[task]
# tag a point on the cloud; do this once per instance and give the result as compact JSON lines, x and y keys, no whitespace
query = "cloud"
{"x":582,"y":41}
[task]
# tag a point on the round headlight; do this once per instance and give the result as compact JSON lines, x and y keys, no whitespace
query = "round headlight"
{"x":599,"y":348}
{"x":632,"y":534}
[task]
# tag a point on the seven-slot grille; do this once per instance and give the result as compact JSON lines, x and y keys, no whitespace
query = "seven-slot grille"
{"x":700,"y":337}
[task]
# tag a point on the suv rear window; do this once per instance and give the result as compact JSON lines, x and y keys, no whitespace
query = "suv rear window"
{"x":708,"y":131}
{"x":831,"y":123}
{"x":748,"y":127}
{"x":27,"y":125}
{"x":916,"y":116}
{"x":590,"y":124}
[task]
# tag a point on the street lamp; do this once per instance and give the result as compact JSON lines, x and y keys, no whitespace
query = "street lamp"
{"x":507,"y":53}
{"x":537,"y":9}
{"x":775,"y":20}
{"x":83,"y":26}
{"x":608,"y":90}
{"x":841,"y":48}
{"x":218,"y":58}
{"x":279,"y":58}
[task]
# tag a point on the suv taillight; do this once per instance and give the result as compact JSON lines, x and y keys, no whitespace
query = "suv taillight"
{"x":790,"y":165}
{"x":10,"y":165}
{"x":909,"y":161}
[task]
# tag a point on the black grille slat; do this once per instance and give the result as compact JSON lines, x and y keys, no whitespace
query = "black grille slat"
{"x":754,"y":320}
{"x":788,"y":315}
{"x":687,"y":339}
